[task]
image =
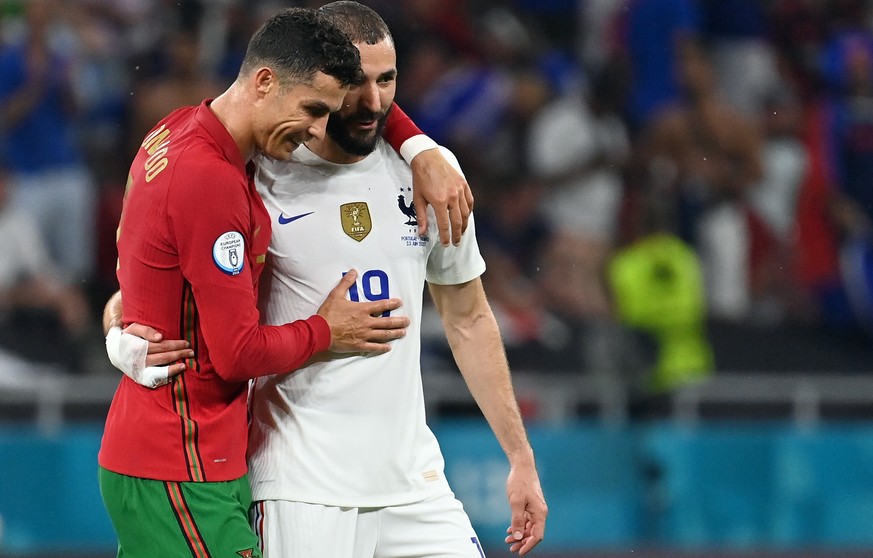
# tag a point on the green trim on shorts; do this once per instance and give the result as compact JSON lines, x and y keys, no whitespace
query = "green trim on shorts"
{"x":156,"y":519}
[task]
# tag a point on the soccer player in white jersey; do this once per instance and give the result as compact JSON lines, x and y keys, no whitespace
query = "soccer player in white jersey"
{"x":342,"y":463}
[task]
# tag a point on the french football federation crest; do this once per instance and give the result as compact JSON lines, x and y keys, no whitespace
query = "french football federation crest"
{"x":355,"y":218}
{"x":407,"y":210}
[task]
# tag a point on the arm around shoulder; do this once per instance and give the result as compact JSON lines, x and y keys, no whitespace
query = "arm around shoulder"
{"x":436,"y":181}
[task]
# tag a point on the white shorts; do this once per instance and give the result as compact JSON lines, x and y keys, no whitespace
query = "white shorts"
{"x":434,"y":528}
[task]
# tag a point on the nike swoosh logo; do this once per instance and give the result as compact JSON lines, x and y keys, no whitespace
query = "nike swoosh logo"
{"x":285,"y":220}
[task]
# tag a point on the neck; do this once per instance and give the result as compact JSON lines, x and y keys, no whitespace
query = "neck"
{"x":330,"y":151}
{"x":232,"y":110}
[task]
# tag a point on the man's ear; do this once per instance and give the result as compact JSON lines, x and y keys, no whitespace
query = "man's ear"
{"x":264,"y":81}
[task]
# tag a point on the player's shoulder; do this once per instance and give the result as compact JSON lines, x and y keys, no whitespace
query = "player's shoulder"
{"x":393,"y":156}
{"x":198,"y":158}
{"x":273,"y":174}
{"x":269,"y":167}
{"x":180,"y":135}
{"x":199,"y":150}
{"x":200,"y":170}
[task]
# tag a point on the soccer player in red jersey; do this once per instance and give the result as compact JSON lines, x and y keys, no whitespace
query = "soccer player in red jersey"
{"x":192,"y":241}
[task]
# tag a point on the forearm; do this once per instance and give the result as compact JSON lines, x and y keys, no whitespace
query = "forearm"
{"x":404,"y":136}
{"x":480,"y":357}
{"x":112,"y":312}
{"x":272,"y":349}
{"x":474,"y":337}
{"x":240,"y":348}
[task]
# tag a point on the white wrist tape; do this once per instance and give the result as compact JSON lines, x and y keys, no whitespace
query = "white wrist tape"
{"x":128,"y":353}
{"x":415,"y":145}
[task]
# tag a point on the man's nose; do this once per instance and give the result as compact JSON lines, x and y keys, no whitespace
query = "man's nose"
{"x":318,"y":128}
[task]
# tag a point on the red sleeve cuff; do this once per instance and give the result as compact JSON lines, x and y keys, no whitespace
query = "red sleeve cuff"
{"x":320,"y":332}
{"x":399,"y":128}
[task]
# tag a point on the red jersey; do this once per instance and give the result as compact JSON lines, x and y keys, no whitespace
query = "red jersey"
{"x":191,"y":246}
{"x":192,"y":241}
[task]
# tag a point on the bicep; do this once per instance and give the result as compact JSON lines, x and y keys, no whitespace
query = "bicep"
{"x":458,"y":302}
{"x":200,"y":217}
{"x":211,"y":229}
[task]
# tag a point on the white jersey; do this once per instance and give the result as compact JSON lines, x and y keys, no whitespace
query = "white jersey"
{"x":349,"y":431}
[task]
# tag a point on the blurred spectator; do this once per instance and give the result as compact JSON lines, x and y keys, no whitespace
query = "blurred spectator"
{"x":424,"y":63}
{"x":451,"y":22}
{"x":506,"y":154}
{"x":50,"y":181}
{"x":41,"y":318}
{"x":849,"y":77}
{"x":800,"y":29}
{"x":786,"y":166}
{"x":493,"y":97}
{"x":849,"y":73}
{"x":467,"y":103}
{"x":736,"y":34}
{"x":97,"y":42}
{"x":557,"y":18}
{"x":238,"y":25}
{"x":600,"y":40}
{"x":657,"y":34}
{"x":512,"y":235}
{"x":180,"y":83}
{"x":749,"y":117}
{"x":578,"y":146}
{"x":712,"y":155}
{"x":556,"y":26}
{"x":785,"y":162}
{"x":657,"y":289}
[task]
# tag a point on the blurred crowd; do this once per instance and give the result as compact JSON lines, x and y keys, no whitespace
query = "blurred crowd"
{"x":650,"y":175}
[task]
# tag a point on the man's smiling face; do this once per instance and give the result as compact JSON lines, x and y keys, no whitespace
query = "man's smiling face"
{"x":358,"y":125}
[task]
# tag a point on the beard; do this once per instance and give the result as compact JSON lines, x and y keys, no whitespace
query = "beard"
{"x":339,"y":129}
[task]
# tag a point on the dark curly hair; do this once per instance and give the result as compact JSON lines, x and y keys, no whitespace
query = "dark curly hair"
{"x":299,"y":42}
{"x":360,"y":23}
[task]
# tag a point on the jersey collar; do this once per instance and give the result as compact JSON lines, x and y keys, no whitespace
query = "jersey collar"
{"x":219,"y":133}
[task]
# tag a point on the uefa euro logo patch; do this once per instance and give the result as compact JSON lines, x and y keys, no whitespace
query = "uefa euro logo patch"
{"x":228,"y":252}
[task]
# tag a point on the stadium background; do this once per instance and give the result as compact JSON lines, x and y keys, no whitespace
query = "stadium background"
{"x":673,"y":199}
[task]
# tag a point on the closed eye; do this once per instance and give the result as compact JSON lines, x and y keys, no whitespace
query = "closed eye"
{"x":316,"y":109}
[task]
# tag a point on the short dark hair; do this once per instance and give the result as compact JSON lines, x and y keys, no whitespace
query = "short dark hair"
{"x":299,"y":42}
{"x":360,"y":23}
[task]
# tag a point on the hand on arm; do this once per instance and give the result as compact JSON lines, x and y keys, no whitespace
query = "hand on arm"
{"x":474,"y":337}
{"x":140,"y":351}
{"x":434,"y":179}
{"x":144,"y":356}
{"x":436,"y":182}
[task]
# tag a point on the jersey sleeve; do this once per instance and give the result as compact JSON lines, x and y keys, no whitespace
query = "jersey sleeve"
{"x":202,"y":213}
{"x":453,"y":265}
{"x":404,"y":136}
